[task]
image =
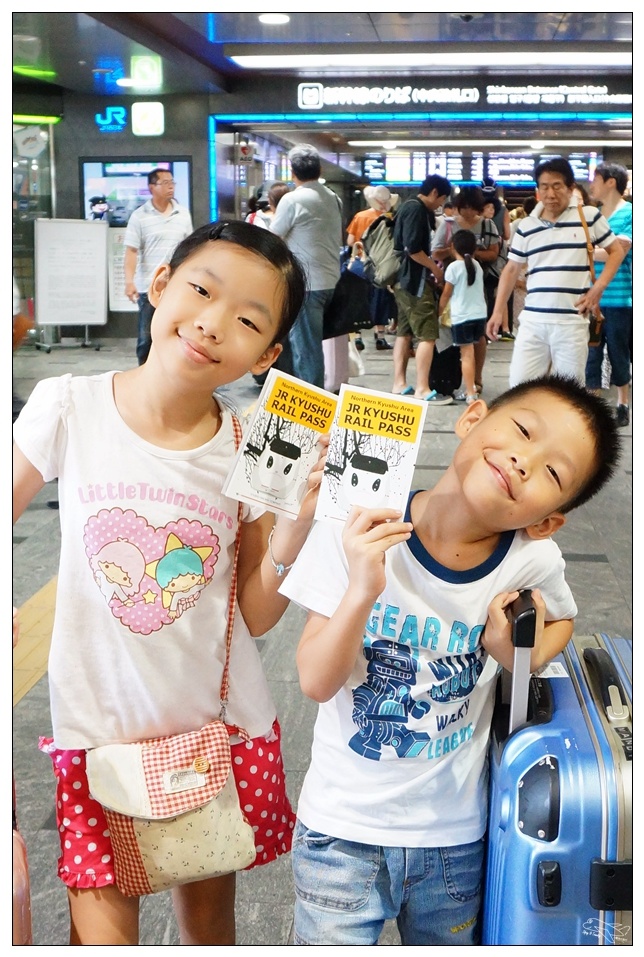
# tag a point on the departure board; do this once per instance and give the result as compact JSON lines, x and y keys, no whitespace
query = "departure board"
{"x":373,"y":167}
{"x":398,"y":167}
{"x":516,"y":167}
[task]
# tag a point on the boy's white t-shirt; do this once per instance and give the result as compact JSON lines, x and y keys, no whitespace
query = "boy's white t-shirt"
{"x":399,"y":753}
{"x":467,"y":302}
{"x":147,"y":543}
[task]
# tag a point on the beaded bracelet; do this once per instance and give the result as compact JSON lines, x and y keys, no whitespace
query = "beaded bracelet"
{"x":279,"y":567}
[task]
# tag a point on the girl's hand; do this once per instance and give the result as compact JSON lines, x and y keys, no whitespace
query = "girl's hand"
{"x":368,"y":534}
{"x":497,"y":637}
{"x":309,"y":500}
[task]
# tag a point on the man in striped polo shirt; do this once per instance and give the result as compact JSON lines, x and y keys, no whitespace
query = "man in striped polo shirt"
{"x":551,"y":242}
{"x":153,"y":231}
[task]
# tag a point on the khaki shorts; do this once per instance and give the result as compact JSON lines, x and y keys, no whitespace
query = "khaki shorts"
{"x":417,"y":316}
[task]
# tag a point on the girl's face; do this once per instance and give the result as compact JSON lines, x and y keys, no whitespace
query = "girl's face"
{"x":217,"y":316}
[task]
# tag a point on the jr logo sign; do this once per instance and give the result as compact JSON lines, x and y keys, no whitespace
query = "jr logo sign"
{"x":113,"y":120}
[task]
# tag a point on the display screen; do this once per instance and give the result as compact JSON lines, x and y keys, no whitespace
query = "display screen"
{"x":507,"y":168}
{"x":511,"y":168}
{"x":112,"y":189}
{"x":584,"y":165}
{"x":398,"y":167}
{"x":373,"y":167}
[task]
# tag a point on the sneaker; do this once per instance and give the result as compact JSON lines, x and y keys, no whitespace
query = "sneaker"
{"x":359,"y":344}
{"x":622,"y":415}
{"x":506,"y":337}
{"x":382,"y":344}
{"x":435,"y":398}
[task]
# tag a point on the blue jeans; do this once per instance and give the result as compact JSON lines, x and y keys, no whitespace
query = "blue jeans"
{"x":144,"y":339}
{"x":617,"y":329}
{"x":346,"y":891}
{"x":306,"y":338}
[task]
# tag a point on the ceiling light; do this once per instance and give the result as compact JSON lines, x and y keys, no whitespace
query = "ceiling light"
{"x":512,"y":145}
{"x":273,"y":18}
{"x":524,"y":59}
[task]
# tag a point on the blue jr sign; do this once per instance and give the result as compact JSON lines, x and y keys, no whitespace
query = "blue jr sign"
{"x":113,"y":120}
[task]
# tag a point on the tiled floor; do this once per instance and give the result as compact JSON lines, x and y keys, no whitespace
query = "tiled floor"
{"x":597,"y":546}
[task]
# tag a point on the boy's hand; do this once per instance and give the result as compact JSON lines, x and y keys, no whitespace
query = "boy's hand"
{"x":368,"y":534}
{"x":497,"y":637}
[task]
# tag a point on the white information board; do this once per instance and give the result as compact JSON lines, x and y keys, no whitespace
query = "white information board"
{"x":71,"y":272}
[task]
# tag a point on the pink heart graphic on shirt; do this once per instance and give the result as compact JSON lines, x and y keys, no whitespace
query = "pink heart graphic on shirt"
{"x":149,"y":576}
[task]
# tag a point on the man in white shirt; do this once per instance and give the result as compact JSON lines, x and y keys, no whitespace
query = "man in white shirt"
{"x":153,"y":232}
{"x":309,"y":220}
{"x":551,"y":243}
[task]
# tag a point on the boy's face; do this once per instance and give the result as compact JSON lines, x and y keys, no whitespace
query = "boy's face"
{"x":518,"y":464}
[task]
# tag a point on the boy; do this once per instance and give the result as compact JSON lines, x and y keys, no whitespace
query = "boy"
{"x":406,"y":625}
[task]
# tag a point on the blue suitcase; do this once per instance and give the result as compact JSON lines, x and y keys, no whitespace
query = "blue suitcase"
{"x":559,"y":858}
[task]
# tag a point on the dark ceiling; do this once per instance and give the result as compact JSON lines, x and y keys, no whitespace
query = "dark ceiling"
{"x":86,"y":52}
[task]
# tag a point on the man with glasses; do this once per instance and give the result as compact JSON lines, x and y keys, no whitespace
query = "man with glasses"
{"x":551,"y":243}
{"x":153,"y":232}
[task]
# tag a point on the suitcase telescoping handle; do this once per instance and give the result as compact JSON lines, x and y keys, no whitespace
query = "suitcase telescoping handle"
{"x":522,"y":615}
{"x":610,"y":686}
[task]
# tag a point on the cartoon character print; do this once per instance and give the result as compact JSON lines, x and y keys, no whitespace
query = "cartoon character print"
{"x":118,"y":569}
{"x":149,"y":576}
{"x":365,"y":481}
{"x":383,"y":704}
{"x":180,"y":575}
{"x":277,"y":468}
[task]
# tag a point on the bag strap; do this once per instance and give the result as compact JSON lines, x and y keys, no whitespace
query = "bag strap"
{"x":589,"y":243}
{"x":232,"y":598}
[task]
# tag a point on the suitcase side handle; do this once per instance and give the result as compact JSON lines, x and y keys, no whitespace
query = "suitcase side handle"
{"x":610,"y":686}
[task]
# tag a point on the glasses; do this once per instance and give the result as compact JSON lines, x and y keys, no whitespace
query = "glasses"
{"x":165,"y":182}
{"x":551,"y":187}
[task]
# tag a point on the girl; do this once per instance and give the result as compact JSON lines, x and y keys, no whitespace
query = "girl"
{"x":141,"y":457}
{"x":464,"y":289}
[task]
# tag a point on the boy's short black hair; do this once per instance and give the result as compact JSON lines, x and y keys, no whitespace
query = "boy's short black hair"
{"x":263,"y":243}
{"x":598,"y":416}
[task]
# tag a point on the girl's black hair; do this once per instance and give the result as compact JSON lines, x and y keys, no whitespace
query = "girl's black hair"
{"x":263,"y":243}
{"x":464,"y":242}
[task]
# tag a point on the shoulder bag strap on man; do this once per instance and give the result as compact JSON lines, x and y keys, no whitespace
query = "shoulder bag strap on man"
{"x":589,"y":243}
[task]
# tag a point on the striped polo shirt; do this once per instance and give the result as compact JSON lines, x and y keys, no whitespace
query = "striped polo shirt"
{"x":556,"y":261}
{"x":619,"y":291}
{"x":155,"y":237}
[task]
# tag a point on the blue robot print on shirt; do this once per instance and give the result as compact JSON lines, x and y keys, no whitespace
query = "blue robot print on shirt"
{"x":383,"y":704}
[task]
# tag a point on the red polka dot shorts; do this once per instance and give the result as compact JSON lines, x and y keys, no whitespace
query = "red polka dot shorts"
{"x":86,"y":858}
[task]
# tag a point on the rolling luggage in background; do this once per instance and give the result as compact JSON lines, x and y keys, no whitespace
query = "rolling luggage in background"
{"x":559,"y":858}
{"x":22,"y":934}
